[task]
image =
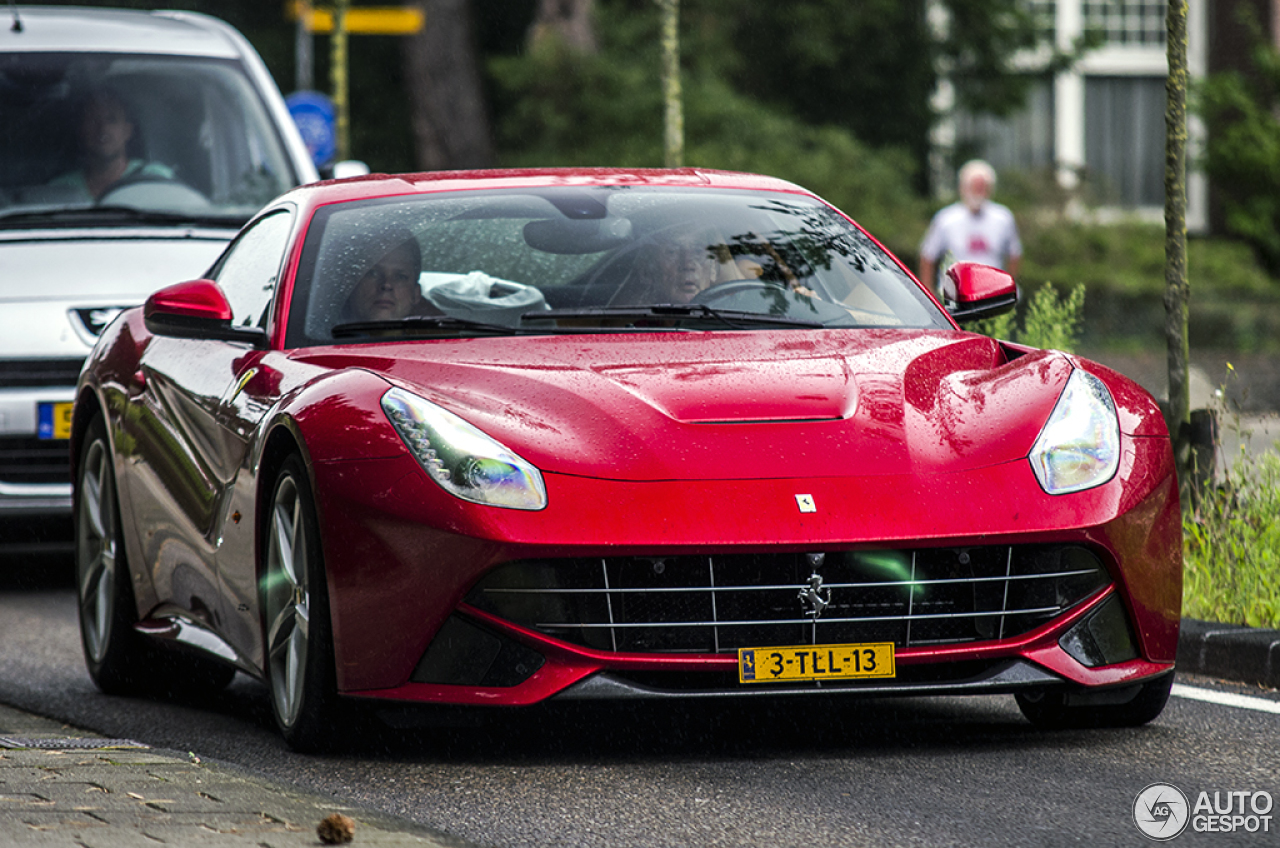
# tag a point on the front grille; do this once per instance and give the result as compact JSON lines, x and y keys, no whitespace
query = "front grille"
{"x":30,"y":460}
{"x":715,"y":604}
{"x":39,"y":373}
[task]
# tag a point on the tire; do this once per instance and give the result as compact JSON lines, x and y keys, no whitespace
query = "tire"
{"x":295,"y":602}
{"x":120,"y":660}
{"x":113,"y":651}
{"x":1051,"y":710}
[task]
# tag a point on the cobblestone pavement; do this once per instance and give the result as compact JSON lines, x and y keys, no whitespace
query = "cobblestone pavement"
{"x":60,"y":786}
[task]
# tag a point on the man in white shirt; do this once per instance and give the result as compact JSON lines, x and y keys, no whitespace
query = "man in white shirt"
{"x":976,"y":229}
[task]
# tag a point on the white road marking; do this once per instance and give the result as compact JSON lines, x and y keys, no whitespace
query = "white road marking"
{"x":1227,"y":699}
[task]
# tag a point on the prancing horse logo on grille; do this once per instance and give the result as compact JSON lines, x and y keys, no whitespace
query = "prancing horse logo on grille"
{"x":812,"y":597}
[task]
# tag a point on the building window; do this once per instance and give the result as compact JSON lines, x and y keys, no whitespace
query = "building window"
{"x":1124,"y":138}
{"x":1022,"y":141}
{"x":1127,"y":21}
{"x":1045,"y":15}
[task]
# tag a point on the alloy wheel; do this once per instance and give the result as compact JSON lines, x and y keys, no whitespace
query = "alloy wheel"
{"x":96,"y":550}
{"x":288,"y":610}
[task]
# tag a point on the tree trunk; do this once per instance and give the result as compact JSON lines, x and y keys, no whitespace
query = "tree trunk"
{"x":673,"y":137}
{"x":570,"y":22}
{"x":1177,"y":289}
{"x":446,"y":98}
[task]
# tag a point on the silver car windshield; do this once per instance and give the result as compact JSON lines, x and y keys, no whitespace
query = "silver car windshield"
{"x":571,"y":260}
{"x":118,"y":133}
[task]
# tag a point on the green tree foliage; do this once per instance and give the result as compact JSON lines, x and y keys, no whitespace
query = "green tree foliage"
{"x":560,"y":107}
{"x":870,"y":66}
{"x":1242,"y":155}
{"x":866,"y":67}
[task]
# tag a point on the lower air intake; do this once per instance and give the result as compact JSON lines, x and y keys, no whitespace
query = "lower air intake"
{"x":719,"y":603}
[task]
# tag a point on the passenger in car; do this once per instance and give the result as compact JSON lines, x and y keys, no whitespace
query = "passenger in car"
{"x":389,"y":288}
{"x":104,"y":131}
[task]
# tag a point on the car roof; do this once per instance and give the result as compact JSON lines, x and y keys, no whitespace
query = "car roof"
{"x":59,"y":29}
{"x":389,"y":185}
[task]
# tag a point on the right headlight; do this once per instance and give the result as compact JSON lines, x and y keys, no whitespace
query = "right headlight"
{"x":1079,"y":447}
{"x":465,"y":461}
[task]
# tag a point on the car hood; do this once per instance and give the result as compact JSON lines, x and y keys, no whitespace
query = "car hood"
{"x":51,"y":288}
{"x":736,"y":405}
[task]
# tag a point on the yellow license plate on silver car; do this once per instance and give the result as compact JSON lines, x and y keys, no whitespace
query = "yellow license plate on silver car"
{"x":53,"y":420}
{"x":815,"y":662}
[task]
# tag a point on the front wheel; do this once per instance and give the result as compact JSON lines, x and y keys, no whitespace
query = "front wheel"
{"x":295,"y":604}
{"x":1053,"y":710}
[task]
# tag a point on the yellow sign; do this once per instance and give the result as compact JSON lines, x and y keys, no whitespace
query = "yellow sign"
{"x":365,"y":20}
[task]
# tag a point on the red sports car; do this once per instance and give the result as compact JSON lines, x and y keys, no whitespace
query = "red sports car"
{"x":499,"y":438}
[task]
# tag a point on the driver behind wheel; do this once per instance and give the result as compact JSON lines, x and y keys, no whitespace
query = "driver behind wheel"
{"x":674,"y":267}
{"x":104,"y":132}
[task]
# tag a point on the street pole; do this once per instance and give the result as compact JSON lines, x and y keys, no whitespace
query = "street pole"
{"x":338,"y":76}
{"x":304,"y":63}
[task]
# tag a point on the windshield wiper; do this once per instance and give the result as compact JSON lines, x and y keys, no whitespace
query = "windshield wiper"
{"x":128,"y":214}
{"x":736,"y":319}
{"x":411,"y":323}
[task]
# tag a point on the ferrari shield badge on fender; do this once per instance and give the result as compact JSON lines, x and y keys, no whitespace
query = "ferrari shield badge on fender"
{"x":806,"y":504}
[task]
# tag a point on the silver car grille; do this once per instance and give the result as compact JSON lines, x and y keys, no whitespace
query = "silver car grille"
{"x":719,"y":603}
{"x":27,"y":460}
{"x":39,"y":373}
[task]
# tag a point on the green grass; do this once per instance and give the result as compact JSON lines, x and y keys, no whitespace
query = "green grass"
{"x":1235,"y":305}
{"x":1231,"y":552}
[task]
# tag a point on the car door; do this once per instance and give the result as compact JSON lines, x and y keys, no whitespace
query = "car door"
{"x":188,"y":447}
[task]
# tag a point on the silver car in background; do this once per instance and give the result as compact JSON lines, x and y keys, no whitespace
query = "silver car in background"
{"x":209,"y":141}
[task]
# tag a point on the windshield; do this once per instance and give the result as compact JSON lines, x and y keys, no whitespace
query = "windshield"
{"x":620,"y":259}
{"x":118,"y":133}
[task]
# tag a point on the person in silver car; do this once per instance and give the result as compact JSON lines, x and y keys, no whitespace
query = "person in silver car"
{"x":104,"y":133}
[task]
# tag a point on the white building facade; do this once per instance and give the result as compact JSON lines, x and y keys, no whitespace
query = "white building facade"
{"x":1099,"y":125}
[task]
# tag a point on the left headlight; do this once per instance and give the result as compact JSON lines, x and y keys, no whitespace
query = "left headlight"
{"x":1079,"y":447}
{"x":465,"y":462}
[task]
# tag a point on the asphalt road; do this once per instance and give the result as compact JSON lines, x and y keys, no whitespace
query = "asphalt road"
{"x":944,"y":771}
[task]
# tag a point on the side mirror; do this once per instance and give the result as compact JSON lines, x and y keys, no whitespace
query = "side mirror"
{"x":971,"y":291}
{"x":196,"y":310}
{"x":343,"y":169}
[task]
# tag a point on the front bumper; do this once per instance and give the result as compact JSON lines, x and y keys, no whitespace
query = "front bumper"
{"x":34,"y":472}
{"x":1039,"y":659}
{"x":434,"y":551}
{"x":34,"y":500}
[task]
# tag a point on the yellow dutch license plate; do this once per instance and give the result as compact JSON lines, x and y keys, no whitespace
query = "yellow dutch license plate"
{"x":53,"y":420}
{"x":815,"y":662}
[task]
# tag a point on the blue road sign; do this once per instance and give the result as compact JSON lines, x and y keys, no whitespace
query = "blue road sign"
{"x":314,"y":116}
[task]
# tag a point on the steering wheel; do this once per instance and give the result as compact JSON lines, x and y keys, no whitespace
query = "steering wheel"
{"x":728,"y":289}
{"x":151,"y":191}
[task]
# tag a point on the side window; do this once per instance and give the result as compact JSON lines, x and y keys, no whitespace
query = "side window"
{"x":248,"y":272}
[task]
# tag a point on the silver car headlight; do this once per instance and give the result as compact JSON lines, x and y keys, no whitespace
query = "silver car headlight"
{"x":1079,"y":447}
{"x":465,"y":462}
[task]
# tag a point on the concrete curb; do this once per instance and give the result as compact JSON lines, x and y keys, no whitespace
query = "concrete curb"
{"x":1230,"y":651}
